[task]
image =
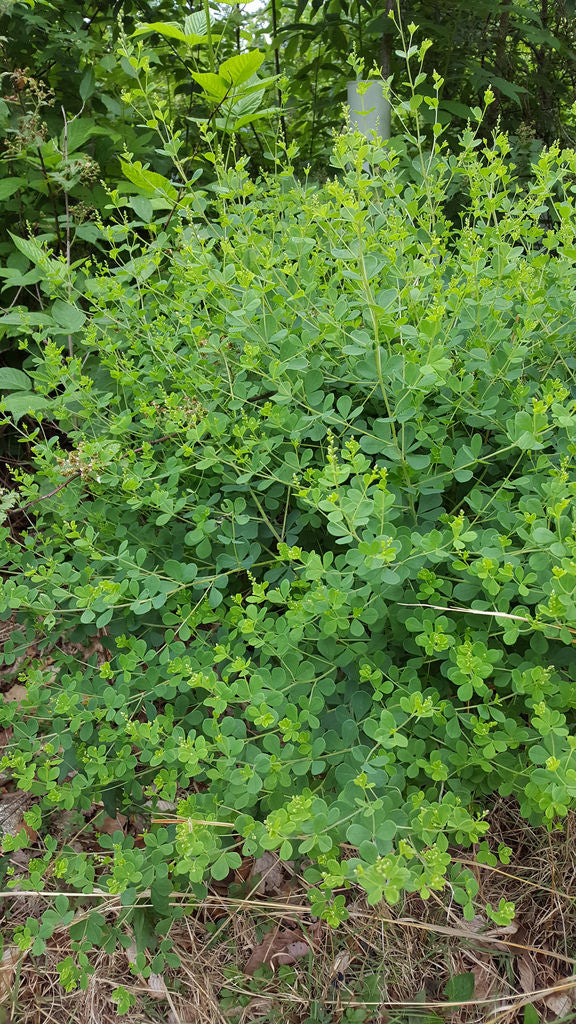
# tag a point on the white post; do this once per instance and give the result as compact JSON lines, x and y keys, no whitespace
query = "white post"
{"x":369,"y":112}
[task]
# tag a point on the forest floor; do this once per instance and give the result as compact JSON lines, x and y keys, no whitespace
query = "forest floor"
{"x":251,"y":953}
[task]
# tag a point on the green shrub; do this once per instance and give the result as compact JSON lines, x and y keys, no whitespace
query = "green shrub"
{"x":310,"y":476}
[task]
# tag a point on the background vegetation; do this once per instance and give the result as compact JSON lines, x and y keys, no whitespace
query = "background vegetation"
{"x":70,"y":92}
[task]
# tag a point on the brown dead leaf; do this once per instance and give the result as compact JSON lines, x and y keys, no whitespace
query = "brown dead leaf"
{"x":562,"y":1001}
{"x":111,"y":825}
{"x":163,"y":805}
{"x":526,"y":975}
{"x":278,"y":947}
{"x":10,"y":958}
{"x":560,"y":1005}
{"x":12,"y":807}
{"x":272,"y":874}
{"x":481,"y":927}
{"x":20,"y":859}
{"x":17,"y":692}
{"x":131,"y":953}
{"x":83,"y":653}
{"x":30,"y":832}
{"x":260,"y":1006}
{"x":339,"y":967}
{"x":157,"y":987}
{"x":480,"y":924}
{"x":7,"y":626}
{"x":484,"y":981}
{"x":341,"y":962}
{"x":5,"y":736}
{"x":243,"y":872}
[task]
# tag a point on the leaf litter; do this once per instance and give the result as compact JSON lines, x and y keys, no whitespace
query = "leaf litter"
{"x":381,"y":960}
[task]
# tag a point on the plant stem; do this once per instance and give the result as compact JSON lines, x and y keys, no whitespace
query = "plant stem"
{"x":67,"y":212}
{"x":276,"y":44}
{"x":211,"y":58}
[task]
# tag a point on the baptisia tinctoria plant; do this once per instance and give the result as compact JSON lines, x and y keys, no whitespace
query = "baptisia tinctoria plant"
{"x":309,"y":477}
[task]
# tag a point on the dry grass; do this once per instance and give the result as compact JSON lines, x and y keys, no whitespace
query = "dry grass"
{"x":382,"y":965}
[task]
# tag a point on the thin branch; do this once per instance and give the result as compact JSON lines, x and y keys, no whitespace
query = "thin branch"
{"x":50,"y":493}
{"x":16,"y":297}
{"x":489,"y":612}
{"x":470,"y":611}
{"x":48,"y":184}
{"x":74,"y":476}
{"x":183,"y":187}
{"x":67,"y":213}
{"x":276,"y":44}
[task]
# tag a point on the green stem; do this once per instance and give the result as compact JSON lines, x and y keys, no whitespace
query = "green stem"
{"x":276,"y":44}
{"x":211,"y":58}
{"x":375,"y":326}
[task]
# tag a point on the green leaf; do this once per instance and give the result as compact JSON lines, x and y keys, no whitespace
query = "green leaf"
{"x":148,"y":181}
{"x":195,"y":25}
{"x":8,"y":186}
{"x":78,"y":131}
{"x":34,"y":252}
{"x":70,"y":317}
{"x":21,"y":317}
{"x":124,"y":1000}
{"x":510,"y":89}
{"x":357,"y":834}
{"x":168,"y":29}
{"x":531,"y":1015}
{"x":192,"y":32}
{"x":142,"y":208}
{"x":21,"y":404}
{"x":241,"y":67}
{"x":460,"y":988}
{"x":220,"y":868}
{"x":31,"y":249}
{"x":212,"y":84}
{"x":454,"y":107}
{"x":249,"y":118}
{"x":87,"y":84}
{"x":13,"y":380}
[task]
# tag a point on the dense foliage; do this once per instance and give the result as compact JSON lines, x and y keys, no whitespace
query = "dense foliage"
{"x":81,"y":90}
{"x":75,"y":95}
{"x":306,"y":469}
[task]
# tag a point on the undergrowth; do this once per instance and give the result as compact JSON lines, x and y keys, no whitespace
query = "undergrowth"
{"x":251,"y":953}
